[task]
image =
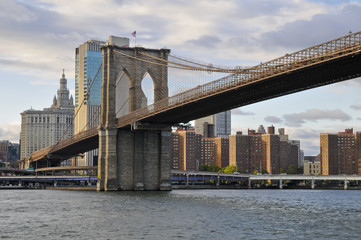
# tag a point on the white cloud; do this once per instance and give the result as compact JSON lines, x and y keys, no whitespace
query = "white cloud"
{"x":10,"y":131}
{"x":225,"y":29}
{"x":237,"y":128}
{"x":298,"y":119}
{"x":303,"y":133}
{"x":309,"y":138}
{"x":324,"y":26}
{"x":13,"y":10}
{"x":272,"y":119}
{"x":356,"y":106}
{"x":238,"y":111}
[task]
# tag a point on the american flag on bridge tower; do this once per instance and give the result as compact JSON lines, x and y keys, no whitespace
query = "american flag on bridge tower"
{"x":134,"y":34}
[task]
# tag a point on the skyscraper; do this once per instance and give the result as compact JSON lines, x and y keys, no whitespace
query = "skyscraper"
{"x":4,"y":149}
{"x":222,"y":151}
{"x":42,"y":128}
{"x":358,"y":151}
{"x":174,"y":150}
{"x":239,"y":152}
{"x":297,"y":143}
{"x":255,"y":152}
{"x":88,"y":83}
{"x":339,"y":153}
{"x":188,"y":151}
{"x":216,"y":125}
{"x":208,"y":149}
{"x":271,"y":153}
{"x":288,"y":155}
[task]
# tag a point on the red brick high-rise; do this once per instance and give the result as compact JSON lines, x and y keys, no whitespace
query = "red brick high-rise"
{"x":339,"y":153}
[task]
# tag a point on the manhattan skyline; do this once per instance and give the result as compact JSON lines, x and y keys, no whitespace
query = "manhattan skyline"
{"x":39,"y":39}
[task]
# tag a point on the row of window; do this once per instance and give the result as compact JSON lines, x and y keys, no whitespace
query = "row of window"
{"x":68,"y":120}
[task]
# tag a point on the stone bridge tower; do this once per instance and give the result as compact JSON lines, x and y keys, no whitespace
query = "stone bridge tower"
{"x":136,"y":157}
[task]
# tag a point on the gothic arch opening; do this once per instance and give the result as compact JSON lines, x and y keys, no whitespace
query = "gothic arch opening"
{"x":148,"y":90}
{"x":122,"y":94}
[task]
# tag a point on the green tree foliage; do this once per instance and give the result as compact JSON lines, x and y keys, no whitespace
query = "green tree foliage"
{"x":264,"y":171}
{"x":214,"y":168}
{"x":292,"y":169}
{"x":229,"y":169}
{"x":210,"y":168}
{"x":204,"y":167}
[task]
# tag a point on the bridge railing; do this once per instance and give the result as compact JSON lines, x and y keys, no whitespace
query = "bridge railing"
{"x":77,"y":137}
{"x":66,"y":142}
{"x":40,"y":153}
{"x":324,"y":49}
{"x":299,"y":59}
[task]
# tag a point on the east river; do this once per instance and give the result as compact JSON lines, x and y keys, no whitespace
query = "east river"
{"x":180,"y":214}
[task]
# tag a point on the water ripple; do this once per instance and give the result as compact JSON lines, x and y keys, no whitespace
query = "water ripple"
{"x":183,"y":214}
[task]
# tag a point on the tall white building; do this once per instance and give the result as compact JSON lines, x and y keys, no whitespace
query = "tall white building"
{"x":216,"y":125}
{"x":43,"y":128}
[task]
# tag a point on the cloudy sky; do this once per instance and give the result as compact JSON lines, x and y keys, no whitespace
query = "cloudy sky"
{"x":38,"y":38}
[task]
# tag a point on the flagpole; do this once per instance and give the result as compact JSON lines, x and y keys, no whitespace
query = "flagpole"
{"x":134,"y":34}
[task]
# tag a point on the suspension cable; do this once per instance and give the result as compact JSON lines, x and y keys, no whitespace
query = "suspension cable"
{"x":180,"y":66}
{"x":122,"y":106}
{"x":208,"y":66}
{"x":188,"y":66}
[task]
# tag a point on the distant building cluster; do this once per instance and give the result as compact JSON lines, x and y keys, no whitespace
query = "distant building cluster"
{"x":258,"y":151}
{"x":9,"y":153}
{"x":340,"y":153}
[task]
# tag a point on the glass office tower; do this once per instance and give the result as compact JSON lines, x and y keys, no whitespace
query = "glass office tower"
{"x":88,"y":83}
{"x":216,"y":125}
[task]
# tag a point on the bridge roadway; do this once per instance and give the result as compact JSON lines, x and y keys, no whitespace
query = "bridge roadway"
{"x":18,"y":179}
{"x":261,"y":177}
{"x":327,"y":63}
{"x":191,"y":178}
{"x":305,"y":177}
{"x":15,"y":171}
{"x":281,"y":178}
{"x":37,"y":182}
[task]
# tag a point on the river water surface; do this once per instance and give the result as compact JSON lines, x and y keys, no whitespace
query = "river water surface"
{"x":180,"y":214}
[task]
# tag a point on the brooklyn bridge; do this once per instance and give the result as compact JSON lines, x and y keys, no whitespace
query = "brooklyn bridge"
{"x":134,"y":151}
